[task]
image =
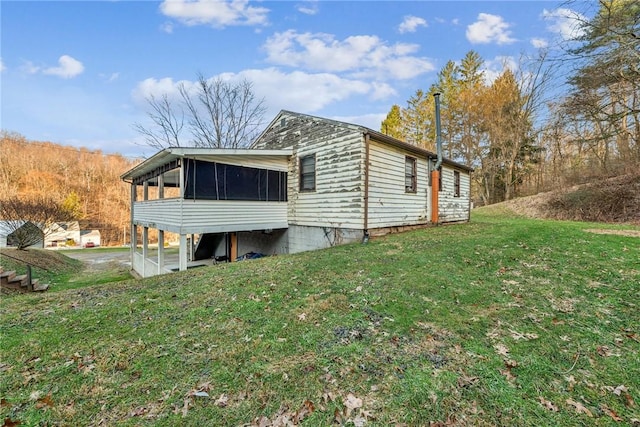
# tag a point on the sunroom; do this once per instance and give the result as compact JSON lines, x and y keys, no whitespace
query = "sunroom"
{"x":203,"y":192}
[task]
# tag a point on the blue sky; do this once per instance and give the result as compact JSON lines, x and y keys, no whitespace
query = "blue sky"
{"x":77,"y":72}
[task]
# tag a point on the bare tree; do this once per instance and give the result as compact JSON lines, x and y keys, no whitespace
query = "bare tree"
{"x":218,"y":113}
{"x":29,"y":221}
{"x":166,"y":123}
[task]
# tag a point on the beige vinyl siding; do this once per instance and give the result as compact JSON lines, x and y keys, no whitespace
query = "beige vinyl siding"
{"x":389,"y":204}
{"x":210,"y":216}
{"x":454,"y":208}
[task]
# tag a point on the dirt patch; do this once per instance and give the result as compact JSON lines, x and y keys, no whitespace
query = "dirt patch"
{"x":628,"y":233}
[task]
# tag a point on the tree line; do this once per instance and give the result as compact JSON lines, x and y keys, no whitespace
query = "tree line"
{"x":527,"y":130}
{"x":67,"y":183}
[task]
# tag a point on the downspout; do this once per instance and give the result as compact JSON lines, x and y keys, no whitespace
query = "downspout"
{"x":365,"y":237}
{"x":435,"y":173}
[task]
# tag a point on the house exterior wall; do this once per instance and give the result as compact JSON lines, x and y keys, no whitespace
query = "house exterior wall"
{"x":209,"y":216}
{"x":272,"y":243}
{"x":389,"y":204}
{"x":337,"y":200}
{"x":451,"y":208}
{"x":303,"y":238}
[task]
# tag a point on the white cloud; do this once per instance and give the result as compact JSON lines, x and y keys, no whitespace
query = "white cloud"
{"x":167,"y":27}
{"x":372,"y":121}
{"x":2,"y":66}
{"x":489,"y":28}
{"x":361,"y":55}
{"x":296,"y":90}
{"x":110,"y":77}
{"x":67,"y":68}
{"x":157,"y":87}
{"x":217,"y":13}
{"x":29,"y":67}
{"x":411,"y":23}
{"x":309,"y":7}
{"x":539,"y":43}
{"x":565,"y":22}
{"x":496,"y":66}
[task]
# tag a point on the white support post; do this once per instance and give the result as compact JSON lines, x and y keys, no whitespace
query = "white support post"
{"x":133,"y":230}
{"x":145,"y":249}
{"x":183,"y":252}
{"x":160,"y":251}
{"x":160,"y":186}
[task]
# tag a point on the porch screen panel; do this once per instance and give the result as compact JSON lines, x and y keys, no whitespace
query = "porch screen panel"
{"x":220,"y":181}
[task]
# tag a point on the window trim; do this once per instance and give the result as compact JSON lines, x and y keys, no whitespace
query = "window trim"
{"x":456,"y":183}
{"x":301,"y":174}
{"x":413,"y":188}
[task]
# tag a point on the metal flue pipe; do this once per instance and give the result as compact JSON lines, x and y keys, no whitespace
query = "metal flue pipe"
{"x":438,"y":132}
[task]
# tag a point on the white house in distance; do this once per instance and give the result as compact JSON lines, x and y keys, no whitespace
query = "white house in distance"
{"x":62,"y":234}
{"x":306,"y":183}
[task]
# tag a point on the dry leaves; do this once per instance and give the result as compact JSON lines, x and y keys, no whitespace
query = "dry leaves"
{"x":285,"y":417}
{"x":547,"y":404}
{"x":501,"y":349}
{"x":610,"y":412}
{"x":580,"y":408}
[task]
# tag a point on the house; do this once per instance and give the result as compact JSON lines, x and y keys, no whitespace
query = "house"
{"x":91,"y":237}
{"x":305,"y":183}
{"x":62,"y":234}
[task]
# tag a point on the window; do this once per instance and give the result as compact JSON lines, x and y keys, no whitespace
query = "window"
{"x":410,"y":184}
{"x":218,"y":181}
{"x":456,"y":184}
{"x":308,"y":173}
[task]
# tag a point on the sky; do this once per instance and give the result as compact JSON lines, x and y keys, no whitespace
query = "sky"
{"x":78,"y":72}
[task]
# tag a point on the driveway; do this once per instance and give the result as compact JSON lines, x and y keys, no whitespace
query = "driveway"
{"x":101,"y":259}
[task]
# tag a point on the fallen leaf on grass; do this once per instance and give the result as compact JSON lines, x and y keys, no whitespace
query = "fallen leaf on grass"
{"x":359,"y":421}
{"x":44,"y":402}
{"x":302,"y":316}
{"x":307,"y":409}
{"x":520,"y":336}
{"x":603,"y":351}
{"x":8,"y":422}
{"x":548,"y":404}
{"x":352,"y":402}
{"x":610,"y":412}
{"x":466,"y":381}
{"x":222,"y":401}
{"x":623,"y":391}
{"x":501,"y":349}
{"x":580,"y":408}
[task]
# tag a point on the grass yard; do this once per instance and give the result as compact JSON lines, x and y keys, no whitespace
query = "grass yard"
{"x":503,"y":321}
{"x":60,"y":271}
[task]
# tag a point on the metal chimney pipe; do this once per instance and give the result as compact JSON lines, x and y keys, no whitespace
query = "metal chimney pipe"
{"x":438,"y":132}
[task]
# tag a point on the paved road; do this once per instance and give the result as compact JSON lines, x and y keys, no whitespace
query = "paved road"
{"x":96,"y":258}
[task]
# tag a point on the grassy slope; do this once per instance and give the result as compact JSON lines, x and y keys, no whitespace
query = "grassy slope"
{"x":502,"y":321}
{"x":57,"y":269}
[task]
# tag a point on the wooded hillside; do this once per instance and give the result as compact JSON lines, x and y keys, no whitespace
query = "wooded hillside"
{"x":87,"y":182}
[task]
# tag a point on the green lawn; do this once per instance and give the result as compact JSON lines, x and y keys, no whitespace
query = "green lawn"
{"x":502,"y":321}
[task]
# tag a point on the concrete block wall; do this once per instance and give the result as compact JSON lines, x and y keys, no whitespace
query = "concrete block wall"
{"x":303,"y":238}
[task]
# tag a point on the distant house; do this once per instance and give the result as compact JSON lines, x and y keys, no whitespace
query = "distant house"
{"x":306,"y":183}
{"x":89,"y":236}
{"x":62,"y":234}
